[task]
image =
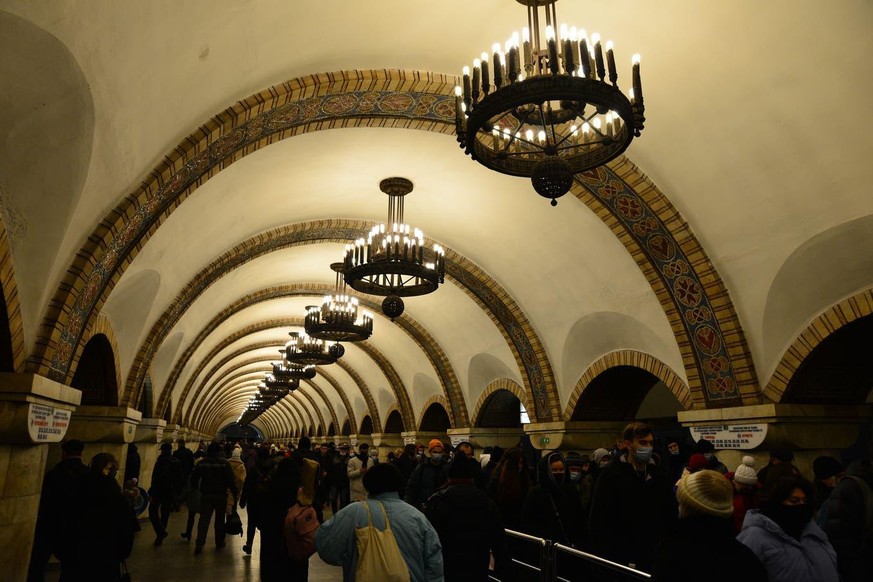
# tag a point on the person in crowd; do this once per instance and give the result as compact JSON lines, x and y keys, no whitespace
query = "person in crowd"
{"x":374,"y":455}
{"x":192,"y":498}
{"x":419,"y":453}
{"x":325,"y":459}
{"x":509,"y":486}
{"x":249,"y":455}
{"x":427,"y":477}
{"x":696,"y":462}
{"x":469,"y":525}
{"x":552,"y":509}
{"x":356,"y":468}
{"x":253,"y":493}
{"x":746,"y":490}
{"x":465,"y":450}
{"x":845,"y":517}
{"x":827,"y":472}
{"x":57,"y":495}
{"x":778,"y":456}
{"x":416,"y":538}
{"x":675,"y":461}
{"x":338,"y":477}
{"x":579,"y":476}
{"x":185,"y":458}
{"x":407,"y":462}
{"x":97,"y":531}
{"x":632,"y":507}
{"x":792,"y":547}
{"x":303,"y":451}
{"x":490,"y":465}
{"x":707,"y":449}
{"x":213,"y":477}
{"x":392,"y":456}
{"x":602,"y":457}
{"x":239,"y":475}
{"x":704,"y":527}
{"x":167,"y":484}
{"x":133,"y":464}
{"x":279,"y":488}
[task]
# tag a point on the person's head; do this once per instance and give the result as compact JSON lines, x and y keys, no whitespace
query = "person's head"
{"x":788,"y":502}
{"x":462,"y":468}
{"x":392,"y":456}
{"x":72,"y":449}
{"x":828,"y":471}
{"x":364,"y":449}
{"x":705,"y":493}
{"x":166,"y":448}
{"x":639,"y":441}
{"x":180,"y":444}
{"x":466,"y":448}
{"x":673,"y":447}
{"x":745,"y":477}
{"x":304,"y":444}
{"x":324,"y":449}
{"x":697,"y":462}
{"x":602,"y":457}
{"x":409,"y":451}
{"x":419,"y":451}
{"x":344,"y":449}
{"x":706,"y":448}
{"x":574,"y":466}
{"x":436,"y":450}
{"x":104,"y":464}
{"x":383,"y":478}
{"x":213,"y":450}
{"x":781,"y":455}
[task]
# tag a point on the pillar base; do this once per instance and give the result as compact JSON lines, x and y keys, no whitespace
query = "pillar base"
{"x":580,"y":436}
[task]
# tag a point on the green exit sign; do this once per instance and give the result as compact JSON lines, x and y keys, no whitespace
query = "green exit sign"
{"x":544,"y":440}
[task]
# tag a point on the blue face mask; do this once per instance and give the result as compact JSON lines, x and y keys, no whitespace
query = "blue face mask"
{"x":436,"y":457}
{"x":643,"y":454}
{"x":575,"y":476}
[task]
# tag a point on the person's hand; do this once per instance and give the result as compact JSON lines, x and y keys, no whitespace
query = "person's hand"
{"x":363,"y":470}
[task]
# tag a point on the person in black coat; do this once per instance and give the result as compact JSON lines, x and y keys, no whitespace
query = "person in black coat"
{"x":213,"y":476}
{"x":133,"y":464}
{"x":407,"y":462}
{"x":844,"y":518}
{"x":278,"y":495}
{"x":167,"y":483}
{"x":469,"y":526}
{"x":97,"y":533}
{"x":552,"y":509}
{"x":632,"y":507}
{"x":254,"y":489}
{"x":705,"y":529}
{"x":427,"y":476}
{"x":57,"y":498}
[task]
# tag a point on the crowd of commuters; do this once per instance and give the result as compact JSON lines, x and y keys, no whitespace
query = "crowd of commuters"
{"x":668,"y":508}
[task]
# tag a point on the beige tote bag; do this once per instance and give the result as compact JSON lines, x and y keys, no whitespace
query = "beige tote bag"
{"x":379,"y":557}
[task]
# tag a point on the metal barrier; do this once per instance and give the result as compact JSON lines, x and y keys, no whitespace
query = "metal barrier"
{"x":548,"y":566}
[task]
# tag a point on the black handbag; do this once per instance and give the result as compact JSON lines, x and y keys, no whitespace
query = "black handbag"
{"x":233,"y":525}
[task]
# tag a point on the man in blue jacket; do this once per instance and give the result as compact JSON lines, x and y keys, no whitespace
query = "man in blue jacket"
{"x":416,"y":538}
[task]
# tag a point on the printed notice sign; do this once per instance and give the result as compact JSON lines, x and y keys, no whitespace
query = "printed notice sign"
{"x":739,"y":436}
{"x":47,"y":424}
{"x":456,"y":440}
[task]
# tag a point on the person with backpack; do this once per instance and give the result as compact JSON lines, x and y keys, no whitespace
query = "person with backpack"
{"x":277,"y":494}
{"x":167,"y":483}
{"x":399,"y":543}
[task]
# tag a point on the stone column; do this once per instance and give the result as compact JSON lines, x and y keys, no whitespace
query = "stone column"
{"x":34,"y":411}
{"x":486,"y":437}
{"x":386,"y":442}
{"x":810,"y":430}
{"x":149,"y":434}
{"x":105,"y":429}
{"x":356,"y":439}
{"x":581,"y":436}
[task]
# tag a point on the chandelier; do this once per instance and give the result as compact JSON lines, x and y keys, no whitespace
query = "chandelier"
{"x":339,"y":318}
{"x":270,"y":391}
{"x":303,"y":350}
{"x":285,"y":371}
{"x":393,"y":261}
{"x":546,"y":105}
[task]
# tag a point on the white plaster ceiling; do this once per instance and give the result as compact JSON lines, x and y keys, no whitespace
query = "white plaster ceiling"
{"x":756,"y":131}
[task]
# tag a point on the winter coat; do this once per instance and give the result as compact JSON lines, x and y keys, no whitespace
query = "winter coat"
{"x":356,"y":478}
{"x":470,"y":528}
{"x":167,"y":478}
{"x":278,"y":493}
{"x":256,"y":486}
{"x":418,"y":541}
{"x":338,"y":475}
{"x":239,"y":479}
{"x":424,"y":481}
{"x":812,"y":559}
{"x":407,"y":465}
{"x":743,"y":502}
{"x":510,"y":508}
{"x":213,"y":476}
{"x":57,"y":498}
{"x":133,"y":463}
{"x":843,"y":519}
{"x":551,"y":510}
{"x":186,"y":459}
{"x":631,"y":513}
{"x":686,"y":555}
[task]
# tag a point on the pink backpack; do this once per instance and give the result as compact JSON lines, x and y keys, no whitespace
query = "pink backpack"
{"x":301,"y":523}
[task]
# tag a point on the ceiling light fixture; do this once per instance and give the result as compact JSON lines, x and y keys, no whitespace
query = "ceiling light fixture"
{"x":339,"y":317}
{"x":394,"y":261}
{"x":546,"y":104}
{"x":303,"y":350}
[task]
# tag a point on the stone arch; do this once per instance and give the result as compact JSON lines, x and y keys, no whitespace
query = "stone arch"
{"x":366,"y":425}
{"x":822,"y":327}
{"x":96,"y":373}
{"x":350,"y":414}
{"x":103,"y":326}
{"x":12,"y":353}
{"x":394,"y":421}
{"x":504,"y":385}
{"x":630,"y":358}
{"x":146,"y":403}
{"x":435,"y":415}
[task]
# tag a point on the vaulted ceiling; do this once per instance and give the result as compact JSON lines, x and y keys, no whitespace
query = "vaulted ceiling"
{"x":181,"y":175}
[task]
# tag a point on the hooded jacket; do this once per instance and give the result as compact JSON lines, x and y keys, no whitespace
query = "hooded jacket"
{"x":553,"y":510}
{"x":811,"y":559}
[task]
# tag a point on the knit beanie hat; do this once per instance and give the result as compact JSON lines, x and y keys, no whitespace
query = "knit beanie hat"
{"x":697,"y":462}
{"x":706,"y":493}
{"x":434,"y":443}
{"x":825,"y":467}
{"x":746,"y":473}
{"x":599,"y":454}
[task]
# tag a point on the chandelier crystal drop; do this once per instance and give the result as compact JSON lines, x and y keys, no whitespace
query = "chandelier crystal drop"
{"x":339,"y":318}
{"x":546,"y":104}
{"x":305,"y":350}
{"x":394,"y":260}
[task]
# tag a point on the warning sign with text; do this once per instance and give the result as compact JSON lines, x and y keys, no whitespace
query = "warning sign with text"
{"x":740,"y":436}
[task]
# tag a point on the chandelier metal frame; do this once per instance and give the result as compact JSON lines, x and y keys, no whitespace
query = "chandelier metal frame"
{"x":339,"y":317}
{"x":303,"y":350}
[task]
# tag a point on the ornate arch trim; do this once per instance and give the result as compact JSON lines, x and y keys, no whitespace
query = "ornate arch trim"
{"x":496,"y":386}
{"x":13,"y":303}
{"x":435,"y":399}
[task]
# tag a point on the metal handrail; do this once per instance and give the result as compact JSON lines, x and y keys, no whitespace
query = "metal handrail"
{"x":524,"y":536}
{"x":603,"y":562}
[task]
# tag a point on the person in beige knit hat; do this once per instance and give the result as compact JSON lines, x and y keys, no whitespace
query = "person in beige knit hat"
{"x":705,"y":531}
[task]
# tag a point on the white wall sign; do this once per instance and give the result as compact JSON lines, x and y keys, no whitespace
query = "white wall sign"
{"x":456,"y":440}
{"x":159,"y":434}
{"x":354,"y":442}
{"x":408,"y":440}
{"x":738,"y":436}
{"x":47,"y":424}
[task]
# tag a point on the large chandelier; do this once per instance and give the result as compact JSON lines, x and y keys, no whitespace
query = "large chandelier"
{"x":303,"y":350}
{"x":270,"y":391}
{"x":287,"y":372}
{"x":394,"y":261}
{"x":339,"y":317}
{"x":546,"y":105}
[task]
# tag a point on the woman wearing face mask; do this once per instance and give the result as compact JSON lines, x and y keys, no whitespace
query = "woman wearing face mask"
{"x":783,"y":536}
{"x":553,"y":510}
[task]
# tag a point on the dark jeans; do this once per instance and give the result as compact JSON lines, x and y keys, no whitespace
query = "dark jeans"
{"x":189,"y":528}
{"x":210,"y":504}
{"x":159,"y":513}
{"x":339,"y":498}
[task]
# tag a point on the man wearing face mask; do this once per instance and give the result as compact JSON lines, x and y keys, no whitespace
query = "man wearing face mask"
{"x":580,"y":476}
{"x":552,"y":509}
{"x":427,"y":477}
{"x":632,"y":507}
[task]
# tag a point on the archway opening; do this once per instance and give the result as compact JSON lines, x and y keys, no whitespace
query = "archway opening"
{"x":347,"y":428}
{"x":839,"y":370}
{"x":95,"y":374}
{"x":627,"y":393}
{"x":394,"y":424}
{"x":435,"y":419}
{"x":502,"y":409}
{"x":366,"y":425}
{"x":331,"y":430}
{"x":236,"y":432}
{"x":320,"y":431}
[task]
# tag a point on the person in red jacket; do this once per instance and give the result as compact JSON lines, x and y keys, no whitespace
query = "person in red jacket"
{"x":746,"y":490}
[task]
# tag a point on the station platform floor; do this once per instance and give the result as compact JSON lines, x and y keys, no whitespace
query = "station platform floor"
{"x":175,"y":560}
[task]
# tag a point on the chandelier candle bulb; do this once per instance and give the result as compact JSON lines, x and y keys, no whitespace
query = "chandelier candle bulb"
{"x":569,"y":64}
{"x":638,"y":85}
{"x":553,"y":50}
{"x":467,"y":90}
{"x":598,"y":57}
{"x":477,"y":74}
{"x":574,"y":44}
{"x":610,"y":63}
{"x":525,"y":35}
{"x":498,"y":69}
{"x":485,"y":86}
{"x":512,"y":64}
{"x":585,"y":56}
